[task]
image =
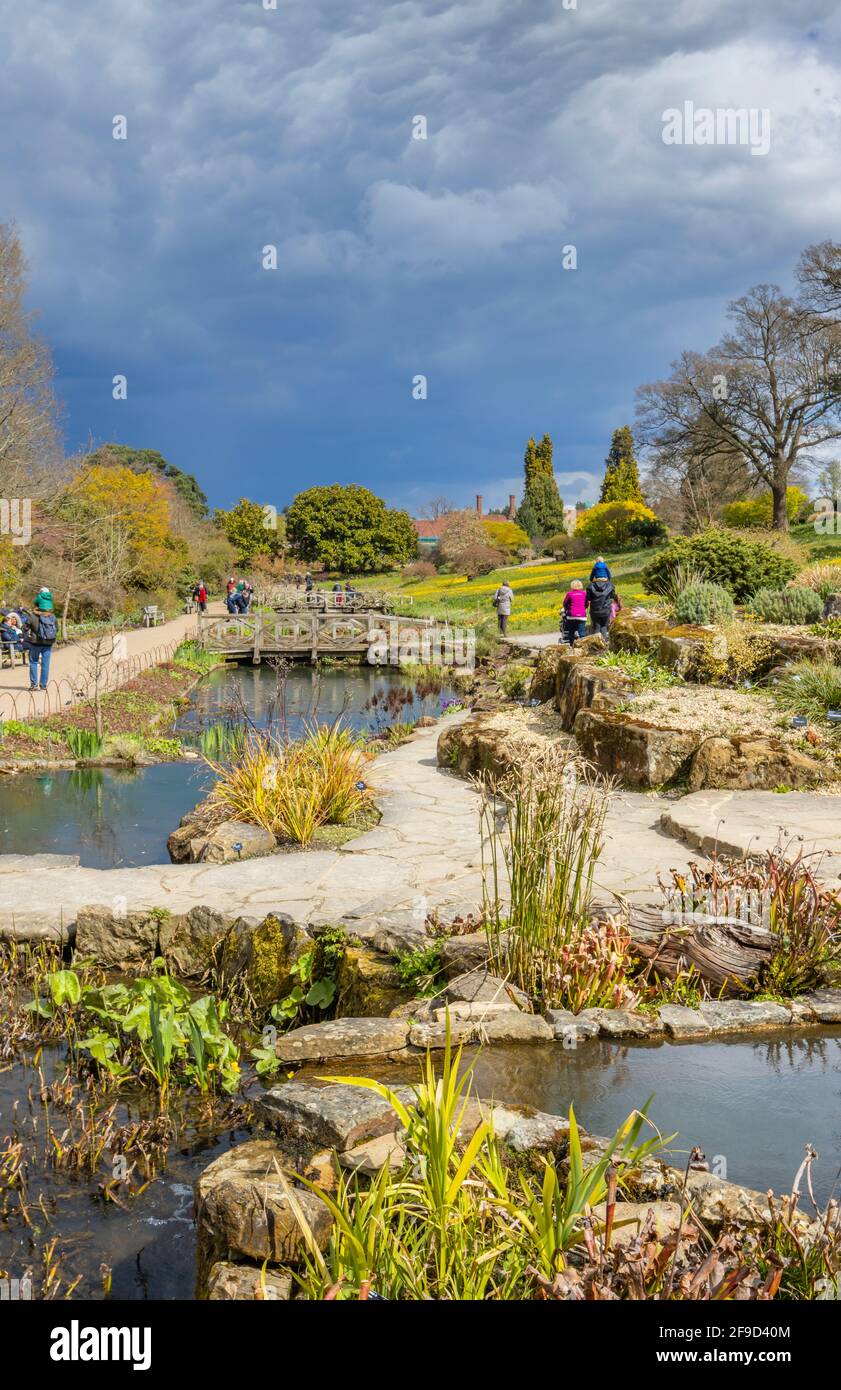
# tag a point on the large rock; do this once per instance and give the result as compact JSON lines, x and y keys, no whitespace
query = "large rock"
{"x":820,"y":1006}
{"x":581,"y":685}
{"x":637,"y":632}
{"x":336,"y":1115}
{"x":343,"y":1037}
{"x":460,"y":954}
{"x":637,"y":753}
{"x":622,"y":1023}
{"x":232,"y":1281}
{"x":680,"y":648}
{"x":544,"y":680}
{"x":478,"y":744}
{"x":630,"y":1219}
{"x":242,"y":1203}
{"x":681,"y":1022}
{"x":267,"y":953}
{"x":570,"y":1028}
{"x":368,"y":983}
{"x":234,"y":840}
{"x":480,"y":987}
{"x":751,"y":762}
{"x":118,"y":940}
{"x":505,"y":1027}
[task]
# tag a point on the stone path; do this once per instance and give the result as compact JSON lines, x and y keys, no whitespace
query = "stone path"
{"x":424,"y":855}
{"x":67,"y":667}
{"x":742,"y":823}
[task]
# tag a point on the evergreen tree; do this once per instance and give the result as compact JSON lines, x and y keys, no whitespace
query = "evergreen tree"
{"x":542,"y":511}
{"x":621,"y":473}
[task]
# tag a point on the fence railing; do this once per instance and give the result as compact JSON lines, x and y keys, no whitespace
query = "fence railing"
{"x":63,"y":693}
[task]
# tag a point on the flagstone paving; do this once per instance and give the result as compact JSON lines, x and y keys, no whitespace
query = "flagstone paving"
{"x":424,"y":855}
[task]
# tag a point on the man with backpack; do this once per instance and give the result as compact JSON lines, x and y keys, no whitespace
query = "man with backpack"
{"x":603,"y":602}
{"x":40,"y":632}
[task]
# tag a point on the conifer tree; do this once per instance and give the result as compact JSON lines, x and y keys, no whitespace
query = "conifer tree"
{"x":621,"y":473}
{"x":542,"y":510}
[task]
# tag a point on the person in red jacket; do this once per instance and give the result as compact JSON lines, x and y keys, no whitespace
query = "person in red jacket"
{"x":574,"y":622}
{"x":202,"y":597}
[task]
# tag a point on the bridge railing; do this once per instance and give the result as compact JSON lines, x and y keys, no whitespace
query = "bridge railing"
{"x":287,"y":598}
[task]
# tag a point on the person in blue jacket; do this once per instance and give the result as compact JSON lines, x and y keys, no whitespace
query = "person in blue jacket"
{"x":600,"y":569}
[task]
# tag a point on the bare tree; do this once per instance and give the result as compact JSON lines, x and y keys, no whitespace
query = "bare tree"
{"x":819,"y":274}
{"x":436,"y":507}
{"x":30,"y":452}
{"x":770,"y":392}
{"x":98,"y":659}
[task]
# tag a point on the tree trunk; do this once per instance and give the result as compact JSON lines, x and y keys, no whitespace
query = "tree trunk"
{"x":778,"y":492}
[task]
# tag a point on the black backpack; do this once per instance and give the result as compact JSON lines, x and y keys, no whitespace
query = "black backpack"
{"x":47,"y":629}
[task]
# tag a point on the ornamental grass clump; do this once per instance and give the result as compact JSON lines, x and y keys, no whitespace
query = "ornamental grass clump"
{"x":293,"y":787}
{"x":542,"y":837}
{"x":810,"y":687}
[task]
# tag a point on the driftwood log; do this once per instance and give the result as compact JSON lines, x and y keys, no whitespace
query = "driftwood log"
{"x":726,"y":952}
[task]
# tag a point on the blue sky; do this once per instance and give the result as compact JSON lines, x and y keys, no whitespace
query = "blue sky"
{"x":398,"y":257}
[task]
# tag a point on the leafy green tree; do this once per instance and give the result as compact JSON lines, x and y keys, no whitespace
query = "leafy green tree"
{"x":150,"y":461}
{"x":621,"y":473}
{"x":349,"y":529}
{"x":252,"y":529}
{"x":542,"y":510}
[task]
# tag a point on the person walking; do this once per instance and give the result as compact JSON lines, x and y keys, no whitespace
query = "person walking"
{"x":201,"y":597}
{"x":502,"y":601}
{"x":603,"y":603}
{"x":39,"y":634}
{"x":574,"y":619}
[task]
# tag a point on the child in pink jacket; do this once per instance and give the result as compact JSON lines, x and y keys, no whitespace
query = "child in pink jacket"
{"x":574,"y":612}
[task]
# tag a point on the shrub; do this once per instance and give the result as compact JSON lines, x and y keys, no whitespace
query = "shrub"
{"x":566,"y":547}
{"x":479,"y":559}
{"x":739,"y":564}
{"x":514,"y":680}
{"x":642,"y":668}
{"x":736,"y":654}
{"x":704,"y":603}
{"x":759,"y":511}
{"x":608,"y":525}
{"x":810,"y":687}
{"x":792,"y":605}
{"x":419,"y":569}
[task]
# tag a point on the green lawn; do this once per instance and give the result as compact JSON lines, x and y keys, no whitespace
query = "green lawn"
{"x":538,"y":591}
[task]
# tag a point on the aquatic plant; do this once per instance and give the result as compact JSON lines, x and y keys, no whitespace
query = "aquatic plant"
{"x":195,"y":658}
{"x":222,"y":741}
{"x":454,"y":1222}
{"x":150,"y":1028}
{"x":84,"y":743}
{"x":542,"y":837}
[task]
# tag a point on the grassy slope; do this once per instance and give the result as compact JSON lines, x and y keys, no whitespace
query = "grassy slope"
{"x":538,"y":590}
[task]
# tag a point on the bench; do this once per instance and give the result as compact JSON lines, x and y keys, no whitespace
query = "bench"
{"x":151,"y":616}
{"x":9,"y":654}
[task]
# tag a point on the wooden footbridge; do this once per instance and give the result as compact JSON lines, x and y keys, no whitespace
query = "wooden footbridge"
{"x":313,"y":632}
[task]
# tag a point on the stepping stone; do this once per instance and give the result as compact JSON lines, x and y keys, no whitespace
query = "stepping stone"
{"x":568,"y":1027}
{"x":335,"y":1115}
{"x":681,"y":1022}
{"x":743,"y":1015}
{"x":509,"y":1026}
{"x":343,"y":1037}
